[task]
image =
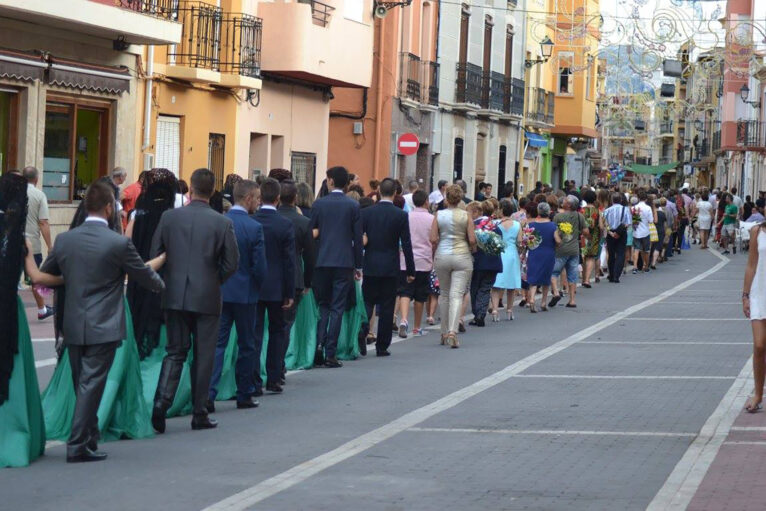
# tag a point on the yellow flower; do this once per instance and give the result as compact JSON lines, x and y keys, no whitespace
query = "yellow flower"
{"x":566,"y":228}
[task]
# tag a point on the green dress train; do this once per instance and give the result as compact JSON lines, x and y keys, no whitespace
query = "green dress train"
{"x":22,"y":430}
{"x":122,"y":413}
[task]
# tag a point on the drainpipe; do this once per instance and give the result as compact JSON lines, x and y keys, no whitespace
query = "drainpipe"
{"x":378,"y":105}
{"x":148,"y":108}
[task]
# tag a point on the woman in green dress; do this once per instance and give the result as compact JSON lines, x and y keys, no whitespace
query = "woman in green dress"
{"x":22,"y":432}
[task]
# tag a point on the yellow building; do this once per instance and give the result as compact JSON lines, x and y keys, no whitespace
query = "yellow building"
{"x":576,"y":70}
{"x":244,"y":94}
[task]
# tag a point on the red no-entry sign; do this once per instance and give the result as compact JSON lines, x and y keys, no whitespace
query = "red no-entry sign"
{"x":408,"y":144}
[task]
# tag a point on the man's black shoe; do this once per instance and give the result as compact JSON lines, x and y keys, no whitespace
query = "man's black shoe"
{"x":384,"y":353}
{"x":319,"y":356}
{"x":479,"y":322}
{"x":250,"y":403}
{"x":158,"y":420}
{"x":332,"y":363}
{"x":258,"y":393}
{"x":87,"y":456}
{"x":203,"y":422}
{"x":273,"y":387}
{"x":282,"y":381}
{"x":210,"y":406}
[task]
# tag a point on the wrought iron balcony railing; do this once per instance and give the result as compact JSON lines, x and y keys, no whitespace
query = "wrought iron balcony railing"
{"x":540,"y":104}
{"x":469,"y":84}
{"x":750,"y":134}
{"x":411,"y":76}
{"x":166,"y":9}
{"x":201,"y":38}
{"x":241,"y":45}
{"x":432,"y":81}
{"x":320,"y":13}
{"x":666,"y":128}
{"x":517,"y":95}
{"x":716,"y":146}
{"x":549,"y":114}
{"x":496,"y":91}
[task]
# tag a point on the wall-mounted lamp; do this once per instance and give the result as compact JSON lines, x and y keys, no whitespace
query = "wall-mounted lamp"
{"x":546,"y":48}
{"x":744,"y":93}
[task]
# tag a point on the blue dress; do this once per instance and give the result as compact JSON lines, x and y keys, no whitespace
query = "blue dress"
{"x":510,"y":278}
{"x":540,"y":261}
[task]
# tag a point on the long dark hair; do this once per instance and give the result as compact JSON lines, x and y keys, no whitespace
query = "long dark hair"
{"x":158,"y":195}
{"x":13,"y":218}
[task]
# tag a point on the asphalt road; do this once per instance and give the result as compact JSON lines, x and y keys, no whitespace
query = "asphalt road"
{"x":602,"y":407}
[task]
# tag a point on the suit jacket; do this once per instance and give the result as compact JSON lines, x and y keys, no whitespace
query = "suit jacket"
{"x":245,"y":285}
{"x":304,"y":246}
{"x":279,"y":235}
{"x":201,"y":254}
{"x":386,"y":226}
{"x":94,"y":260}
{"x":339,"y":221}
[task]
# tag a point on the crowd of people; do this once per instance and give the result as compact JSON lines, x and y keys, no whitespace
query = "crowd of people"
{"x":239,"y":285}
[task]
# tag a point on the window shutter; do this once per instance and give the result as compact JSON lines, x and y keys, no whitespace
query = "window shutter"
{"x":168,"y":147}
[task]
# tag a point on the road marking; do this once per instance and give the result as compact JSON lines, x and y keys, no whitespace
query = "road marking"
{"x":303,"y":471}
{"x":703,"y":303}
{"x":686,"y":319}
{"x":621,"y":377}
{"x":553,"y":432}
{"x":748,"y":428}
{"x":687,"y":475}
{"x":744,"y":442}
{"x":43,"y":340}
{"x":672,"y":343}
{"x":45,"y":362}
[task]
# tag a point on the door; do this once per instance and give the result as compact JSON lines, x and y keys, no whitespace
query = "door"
{"x":457,"y":160}
{"x":8,"y":135}
{"x":216,"y":149}
{"x":502,"y":156}
{"x":167,"y":153}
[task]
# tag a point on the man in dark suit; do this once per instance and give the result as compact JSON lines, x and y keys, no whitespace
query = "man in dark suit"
{"x":202,"y":254}
{"x":386,"y":227}
{"x":93,"y":260}
{"x":304,"y":252}
{"x":336,"y":222}
{"x":278,"y":291}
{"x":240,"y":297}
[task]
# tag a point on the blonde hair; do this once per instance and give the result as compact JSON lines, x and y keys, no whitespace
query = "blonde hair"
{"x":454,"y":195}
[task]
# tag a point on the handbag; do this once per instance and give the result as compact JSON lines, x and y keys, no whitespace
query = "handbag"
{"x":653,"y":236}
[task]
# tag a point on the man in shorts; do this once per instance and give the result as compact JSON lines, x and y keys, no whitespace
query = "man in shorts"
{"x":419,"y":289}
{"x":37,"y":227}
{"x":641,"y":234}
{"x":729,"y":229}
{"x":568,"y":252}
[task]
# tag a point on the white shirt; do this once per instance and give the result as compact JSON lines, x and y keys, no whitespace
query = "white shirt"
{"x":408,"y":204}
{"x":642,"y":229}
{"x":97,"y":219}
{"x":268,"y":206}
{"x":435,"y":197}
{"x":235,"y":207}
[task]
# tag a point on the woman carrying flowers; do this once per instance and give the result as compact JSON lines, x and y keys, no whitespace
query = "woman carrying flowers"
{"x":486,"y":262}
{"x":592,"y":242}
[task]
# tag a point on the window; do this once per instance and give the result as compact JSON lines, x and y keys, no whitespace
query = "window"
{"x":167,"y":154}
{"x":76,"y":147}
{"x":465,"y":17}
{"x":457,"y":159}
{"x":216,"y":151}
{"x":508,"y":52}
{"x":8,"y":118}
{"x":303,"y":166}
{"x":565,"y":76}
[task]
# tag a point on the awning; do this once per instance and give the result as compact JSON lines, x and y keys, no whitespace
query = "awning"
{"x":536,"y":140}
{"x":657,"y":170}
{"x":79,"y":75}
{"x":22,"y":66}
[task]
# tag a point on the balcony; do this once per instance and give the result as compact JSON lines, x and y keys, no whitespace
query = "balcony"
{"x":310,"y":43}
{"x":494,"y":91}
{"x":109,"y":20}
{"x":517,"y":95}
{"x":469,"y":84}
{"x":666,"y":128}
{"x":703,"y":148}
{"x":419,"y":80}
{"x":540,"y":106}
{"x":550,"y":113}
{"x":241,"y":51}
{"x":716,"y":145}
{"x":750,"y":135}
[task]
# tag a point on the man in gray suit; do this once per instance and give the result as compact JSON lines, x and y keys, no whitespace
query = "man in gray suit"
{"x":93,"y":260}
{"x":202,"y":253}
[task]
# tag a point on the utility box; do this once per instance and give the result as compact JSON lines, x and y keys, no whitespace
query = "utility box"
{"x":358,"y":128}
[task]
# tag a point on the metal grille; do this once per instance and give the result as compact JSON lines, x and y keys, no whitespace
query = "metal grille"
{"x":216,"y":149}
{"x":496,"y":91}
{"x":241,"y":45}
{"x":166,"y":9}
{"x":432,"y":75}
{"x":303,"y":166}
{"x":410,"y":84}
{"x":517,"y":93}
{"x":201,"y":39}
{"x":469,"y":83}
{"x":320,"y":13}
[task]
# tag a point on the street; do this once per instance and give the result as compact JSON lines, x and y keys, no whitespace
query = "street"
{"x":632,"y":400}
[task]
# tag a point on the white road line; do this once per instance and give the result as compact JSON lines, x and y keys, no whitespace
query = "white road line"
{"x":745,"y":442}
{"x":686,"y":319}
{"x":45,"y":362}
{"x":702,"y":303}
{"x":671,"y":343}
{"x":299,"y":473}
{"x":554,"y":432}
{"x":748,"y":428}
{"x":621,"y":377}
{"x":687,"y":475}
{"x":44,"y":340}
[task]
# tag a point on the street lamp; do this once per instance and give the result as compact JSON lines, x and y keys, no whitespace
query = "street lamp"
{"x":546,"y":48}
{"x":744,"y":93}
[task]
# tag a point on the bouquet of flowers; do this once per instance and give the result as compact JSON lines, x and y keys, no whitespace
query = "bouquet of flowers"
{"x":635,"y":214}
{"x":530,"y":238}
{"x":567,"y":230}
{"x":489,"y":242}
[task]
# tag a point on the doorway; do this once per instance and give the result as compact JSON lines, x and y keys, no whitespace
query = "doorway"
{"x":8,"y":119}
{"x":216,"y":150}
